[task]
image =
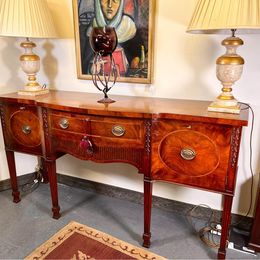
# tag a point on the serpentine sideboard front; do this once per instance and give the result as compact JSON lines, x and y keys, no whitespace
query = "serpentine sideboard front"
{"x":176,"y":141}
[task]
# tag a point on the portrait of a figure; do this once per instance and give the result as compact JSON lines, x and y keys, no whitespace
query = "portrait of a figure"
{"x":132,"y":22}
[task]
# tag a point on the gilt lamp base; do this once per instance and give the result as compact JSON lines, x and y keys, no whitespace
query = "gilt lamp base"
{"x":33,"y":92}
{"x":216,"y":107}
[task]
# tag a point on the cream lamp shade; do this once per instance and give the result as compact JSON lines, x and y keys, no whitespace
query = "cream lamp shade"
{"x":227,"y":17}
{"x":28,"y":19}
{"x":220,"y":16}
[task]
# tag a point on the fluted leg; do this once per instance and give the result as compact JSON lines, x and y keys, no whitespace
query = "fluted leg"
{"x":13,"y":177}
{"x":148,"y":189}
{"x":51,"y":169}
{"x":226,"y":218}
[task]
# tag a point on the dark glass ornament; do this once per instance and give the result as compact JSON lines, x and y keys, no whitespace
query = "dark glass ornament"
{"x":103,"y":40}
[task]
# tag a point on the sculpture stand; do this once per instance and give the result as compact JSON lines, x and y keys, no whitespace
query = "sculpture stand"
{"x":102,"y":74}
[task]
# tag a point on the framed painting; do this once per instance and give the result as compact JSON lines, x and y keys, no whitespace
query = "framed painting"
{"x":133,"y":21}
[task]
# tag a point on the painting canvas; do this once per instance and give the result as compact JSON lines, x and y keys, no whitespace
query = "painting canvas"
{"x":133,"y":21}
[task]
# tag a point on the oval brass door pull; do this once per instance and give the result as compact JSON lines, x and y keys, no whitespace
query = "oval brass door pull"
{"x":26,"y":129}
{"x":64,"y":123}
{"x":188,"y":154}
{"x":118,"y":130}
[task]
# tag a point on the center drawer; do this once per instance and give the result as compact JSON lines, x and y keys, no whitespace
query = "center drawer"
{"x":106,"y":130}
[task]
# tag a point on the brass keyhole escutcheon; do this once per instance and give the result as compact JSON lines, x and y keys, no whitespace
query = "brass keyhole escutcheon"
{"x":188,"y":154}
{"x":118,"y":130}
{"x":64,"y":123}
{"x":26,"y":129}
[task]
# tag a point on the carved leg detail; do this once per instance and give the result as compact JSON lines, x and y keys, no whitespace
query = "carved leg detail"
{"x":226,"y":217}
{"x":51,"y":169}
{"x":13,"y":177}
{"x":148,"y":189}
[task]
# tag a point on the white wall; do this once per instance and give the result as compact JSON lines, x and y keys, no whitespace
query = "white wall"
{"x":184,"y":68}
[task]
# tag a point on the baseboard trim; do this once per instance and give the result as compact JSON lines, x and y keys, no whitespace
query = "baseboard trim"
{"x":6,"y":184}
{"x":176,"y":207}
{"x":255,"y":247}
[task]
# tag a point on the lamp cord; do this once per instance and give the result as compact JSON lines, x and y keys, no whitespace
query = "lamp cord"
{"x":247,"y":106}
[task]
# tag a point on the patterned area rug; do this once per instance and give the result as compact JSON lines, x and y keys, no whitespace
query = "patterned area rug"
{"x":79,"y":242}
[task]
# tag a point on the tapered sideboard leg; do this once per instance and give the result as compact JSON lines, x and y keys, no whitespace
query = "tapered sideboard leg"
{"x":51,"y":169}
{"x":226,"y":218}
{"x":13,"y":177}
{"x":148,"y":190}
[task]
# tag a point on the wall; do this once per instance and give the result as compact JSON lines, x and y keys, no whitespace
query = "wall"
{"x":184,"y":67}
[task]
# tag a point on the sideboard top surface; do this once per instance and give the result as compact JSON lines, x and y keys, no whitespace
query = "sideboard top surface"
{"x":128,"y":106}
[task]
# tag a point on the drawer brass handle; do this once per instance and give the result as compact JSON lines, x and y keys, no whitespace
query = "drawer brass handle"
{"x":26,"y":129}
{"x":64,"y":123}
{"x":188,"y":154}
{"x":118,"y":130}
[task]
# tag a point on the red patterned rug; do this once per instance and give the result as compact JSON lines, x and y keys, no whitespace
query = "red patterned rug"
{"x":79,"y":242}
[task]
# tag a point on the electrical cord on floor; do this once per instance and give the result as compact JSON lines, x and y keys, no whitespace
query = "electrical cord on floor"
{"x":208,"y":233}
{"x":31,"y":184}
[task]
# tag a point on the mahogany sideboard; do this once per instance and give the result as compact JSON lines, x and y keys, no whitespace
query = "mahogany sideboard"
{"x":176,"y":141}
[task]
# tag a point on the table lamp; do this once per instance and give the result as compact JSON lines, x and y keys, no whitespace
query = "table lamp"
{"x":226,"y":17}
{"x":28,"y":19}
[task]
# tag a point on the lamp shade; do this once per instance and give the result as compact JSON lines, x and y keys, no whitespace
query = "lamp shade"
{"x":220,"y":16}
{"x":26,"y":18}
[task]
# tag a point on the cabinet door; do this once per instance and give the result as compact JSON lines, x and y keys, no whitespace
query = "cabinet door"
{"x":21,"y":128}
{"x":194,"y":154}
